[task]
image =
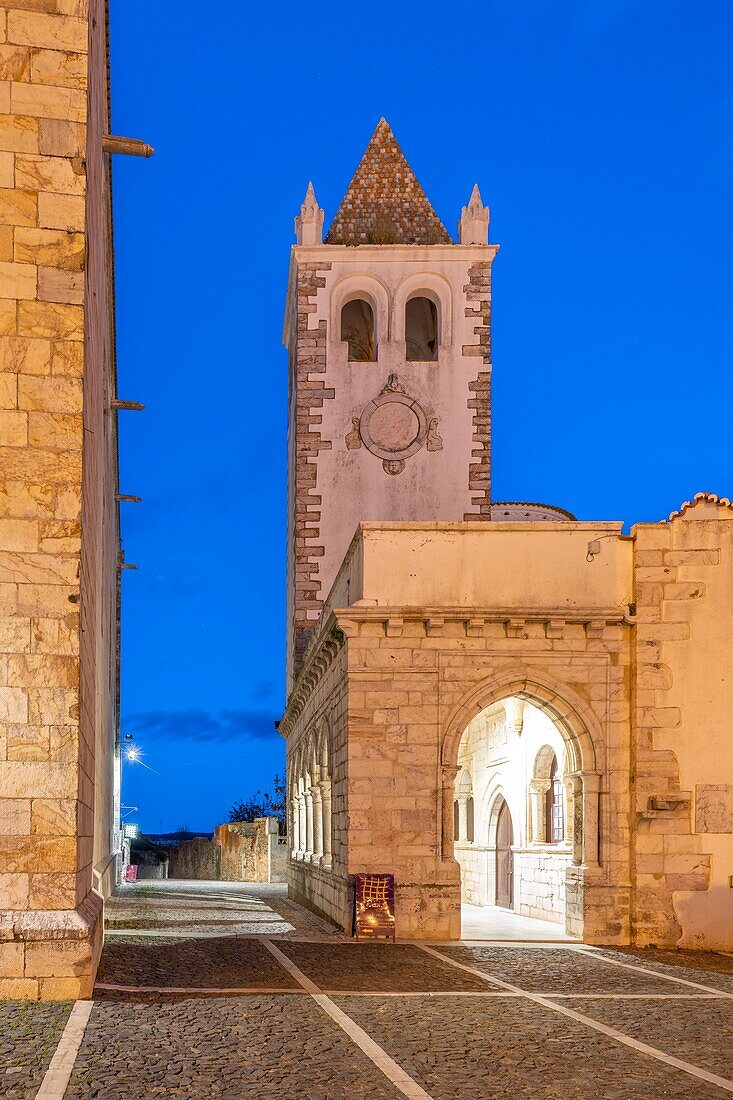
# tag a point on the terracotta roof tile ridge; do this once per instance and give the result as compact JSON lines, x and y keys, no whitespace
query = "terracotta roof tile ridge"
{"x":700,"y":498}
{"x":384,"y":202}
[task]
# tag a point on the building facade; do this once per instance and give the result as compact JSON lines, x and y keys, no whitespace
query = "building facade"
{"x":494,"y":702}
{"x":59,"y":525}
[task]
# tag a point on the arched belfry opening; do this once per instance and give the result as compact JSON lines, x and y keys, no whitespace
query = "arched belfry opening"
{"x":357,"y":330}
{"x":523,"y":771}
{"x":421,"y":329}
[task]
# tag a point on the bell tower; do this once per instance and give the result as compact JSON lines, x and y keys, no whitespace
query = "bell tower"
{"x":388,"y":328}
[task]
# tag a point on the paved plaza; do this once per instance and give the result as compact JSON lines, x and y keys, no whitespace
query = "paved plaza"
{"x":227,"y":990}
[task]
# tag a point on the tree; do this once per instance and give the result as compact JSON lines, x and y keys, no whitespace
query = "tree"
{"x":263,"y":804}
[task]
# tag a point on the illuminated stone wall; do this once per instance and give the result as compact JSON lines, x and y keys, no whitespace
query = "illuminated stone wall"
{"x":58,"y":514}
{"x":623,"y":641}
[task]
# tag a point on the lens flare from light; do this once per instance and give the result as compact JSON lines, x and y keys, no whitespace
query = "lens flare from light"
{"x":133,"y":753}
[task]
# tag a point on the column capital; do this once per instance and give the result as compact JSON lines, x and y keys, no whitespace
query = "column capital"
{"x":448,"y":773}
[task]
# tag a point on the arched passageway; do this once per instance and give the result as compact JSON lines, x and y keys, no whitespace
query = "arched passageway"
{"x":520,"y":782}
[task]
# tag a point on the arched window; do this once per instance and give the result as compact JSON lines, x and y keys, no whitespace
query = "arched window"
{"x":456,"y":821}
{"x":469,"y":820}
{"x":421,"y":330}
{"x":554,"y":807}
{"x":357,"y":329}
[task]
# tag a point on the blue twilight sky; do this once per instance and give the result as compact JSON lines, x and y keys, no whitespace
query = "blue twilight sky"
{"x":599,"y":132}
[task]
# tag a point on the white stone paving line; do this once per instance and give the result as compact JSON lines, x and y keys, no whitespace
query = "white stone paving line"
{"x":590,"y":953}
{"x":56,"y":1079}
{"x":643,"y":1048}
{"x":272,"y":991}
{"x":199,"y":991}
{"x":391,"y":1070}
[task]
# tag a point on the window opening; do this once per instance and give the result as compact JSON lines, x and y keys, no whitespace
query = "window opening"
{"x":357,"y":329}
{"x":554,"y":807}
{"x":421,"y":330}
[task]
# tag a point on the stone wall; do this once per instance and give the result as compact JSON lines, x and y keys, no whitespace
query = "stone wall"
{"x":540,"y":884}
{"x":683,"y":802}
{"x":307,"y":394}
{"x":238,"y":852}
{"x":58,"y":515}
{"x":416,"y":677}
{"x":199,"y":858}
{"x":318,"y":748}
{"x":634,"y":670}
{"x":427,"y":666}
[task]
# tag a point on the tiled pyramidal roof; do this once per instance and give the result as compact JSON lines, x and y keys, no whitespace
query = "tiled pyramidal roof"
{"x":384,"y":203}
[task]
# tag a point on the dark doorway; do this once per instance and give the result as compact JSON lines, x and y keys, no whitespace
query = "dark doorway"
{"x":504,"y":859}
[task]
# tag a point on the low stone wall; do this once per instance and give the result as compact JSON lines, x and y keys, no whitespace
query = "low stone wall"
{"x":239,"y":852}
{"x":477,"y":874}
{"x":539,"y":884}
{"x":322,"y":891}
{"x":198,"y":859}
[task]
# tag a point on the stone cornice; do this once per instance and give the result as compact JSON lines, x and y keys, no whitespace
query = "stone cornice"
{"x":344,"y":623}
{"x":394,"y":253}
{"x":318,"y":658}
{"x":435,"y":619}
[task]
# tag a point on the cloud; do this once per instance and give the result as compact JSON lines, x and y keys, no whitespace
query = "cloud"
{"x":264,"y":689}
{"x":202,"y":725}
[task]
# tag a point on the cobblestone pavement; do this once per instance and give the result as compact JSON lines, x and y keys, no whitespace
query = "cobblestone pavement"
{"x":707,"y":967}
{"x":701,"y":1033}
{"x":468,"y":1049}
{"x":550,"y":970}
{"x":217,"y":963}
{"x":29,"y":1034}
{"x":254,"y":1048}
{"x":384,"y":968}
{"x":214,"y":908}
{"x":453,"y":1033}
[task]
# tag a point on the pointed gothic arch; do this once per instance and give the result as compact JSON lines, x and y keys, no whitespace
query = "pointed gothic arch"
{"x":583,"y":739}
{"x":573,"y":716}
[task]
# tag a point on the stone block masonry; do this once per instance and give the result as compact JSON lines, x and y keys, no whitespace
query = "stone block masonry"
{"x":633,"y":671}
{"x":59,"y":532}
{"x":238,"y":852}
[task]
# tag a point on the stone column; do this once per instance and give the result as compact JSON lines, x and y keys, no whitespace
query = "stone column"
{"x":577,"y":782}
{"x":448,"y":779}
{"x":295,"y":827}
{"x":308,"y":824}
{"x":301,"y":824}
{"x":568,"y":807}
{"x":462,"y":817}
{"x":317,"y":822}
{"x":326,"y":804}
{"x":537,"y":793}
{"x":591,"y":791}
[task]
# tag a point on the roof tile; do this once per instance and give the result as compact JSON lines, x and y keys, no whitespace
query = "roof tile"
{"x":384,"y":203}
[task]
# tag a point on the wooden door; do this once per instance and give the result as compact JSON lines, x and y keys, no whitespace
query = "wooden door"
{"x":504,"y":868}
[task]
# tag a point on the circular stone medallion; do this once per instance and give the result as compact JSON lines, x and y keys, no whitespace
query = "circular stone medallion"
{"x":394,"y":426}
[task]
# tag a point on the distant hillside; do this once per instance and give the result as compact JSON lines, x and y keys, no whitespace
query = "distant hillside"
{"x":172,"y":840}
